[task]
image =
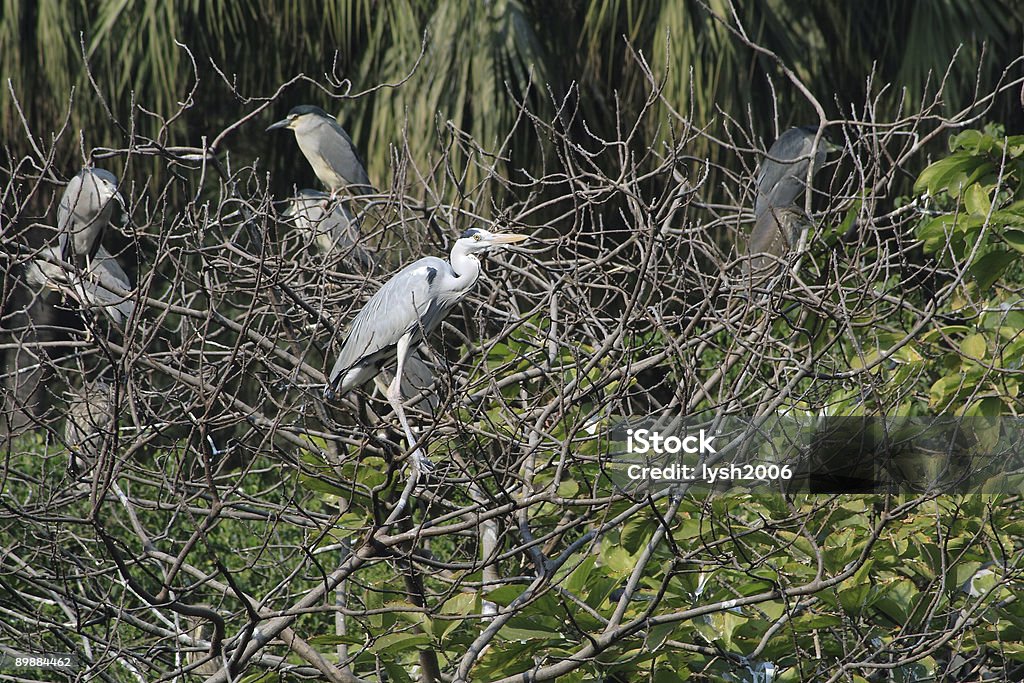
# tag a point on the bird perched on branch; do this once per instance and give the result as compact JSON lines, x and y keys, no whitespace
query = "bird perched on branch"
{"x":404,"y":311}
{"x":329,"y":224}
{"x":84,"y":213}
{"x":88,"y":423}
{"x":328,"y":148}
{"x":103,"y":284}
{"x":784,"y":175}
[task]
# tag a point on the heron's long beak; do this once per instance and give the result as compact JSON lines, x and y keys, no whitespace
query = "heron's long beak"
{"x":508,"y":238}
{"x":283,"y":123}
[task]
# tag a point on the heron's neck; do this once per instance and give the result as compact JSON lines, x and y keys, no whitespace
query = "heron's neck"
{"x":466,"y":267}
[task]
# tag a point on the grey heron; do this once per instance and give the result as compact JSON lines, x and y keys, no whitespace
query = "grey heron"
{"x":329,"y":224}
{"x":103,"y":284}
{"x":328,"y":148}
{"x":88,"y":422}
{"x":84,"y":213}
{"x":332,"y":227}
{"x":403,"y":312}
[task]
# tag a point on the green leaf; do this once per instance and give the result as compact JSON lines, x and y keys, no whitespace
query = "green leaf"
{"x":400,"y":642}
{"x":989,"y":268}
{"x":579,"y":577}
{"x":974,"y":347}
{"x":635,"y":532}
{"x":313,"y":484}
{"x":533,"y":635}
{"x":657,"y":636}
{"x":504,"y":595}
{"x":396,"y":672}
{"x":969,"y":140}
{"x":940,"y":175}
{"x":1015,"y":238}
{"x":977,"y":201}
{"x":463,"y":603}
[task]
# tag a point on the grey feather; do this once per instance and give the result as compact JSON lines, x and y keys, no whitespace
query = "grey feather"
{"x":99,"y":286}
{"x":328,"y":149}
{"x":783,"y":174}
{"x":417,"y":380}
{"x":775,"y":232}
{"x":85,"y":211}
{"x":329,"y":227}
{"x":408,"y":302}
{"x":408,"y":308}
{"x":778,"y":218}
{"x":88,"y":424}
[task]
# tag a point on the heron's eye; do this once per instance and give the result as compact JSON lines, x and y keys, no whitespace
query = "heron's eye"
{"x":477,"y":237}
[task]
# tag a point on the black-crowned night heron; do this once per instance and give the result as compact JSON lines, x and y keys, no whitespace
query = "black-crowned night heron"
{"x":203,"y":662}
{"x":404,"y":311}
{"x":779,"y":218}
{"x":783,"y":174}
{"x":103,"y":284}
{"x":329,"y":224}
{"x":328,"y":148}
{"x":84,"y":213}
{"x":89,"y":423}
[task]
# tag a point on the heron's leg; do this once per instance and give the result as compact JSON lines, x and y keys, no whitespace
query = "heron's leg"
{"x":395,"y":398}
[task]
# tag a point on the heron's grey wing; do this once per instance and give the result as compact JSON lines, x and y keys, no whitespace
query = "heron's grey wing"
{"x":401,"y":305}
{"x":42,"y":272}
{"x":338,"y":229}
{"x":775,"y":232}
{"x":66,"y":216}
{"x":307,"y":214}
{"x":104,"y":285}
{"x":783,"y":175}
{"x":341,"y":148}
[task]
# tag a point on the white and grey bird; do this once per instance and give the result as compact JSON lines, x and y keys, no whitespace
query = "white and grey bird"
{"x":329,"y":224}
{"x":84,"y":213}
{"x":404,"y":311}
{"x":328,"y":148}
{"x":88,"y":424}
{"x":100,"y":285}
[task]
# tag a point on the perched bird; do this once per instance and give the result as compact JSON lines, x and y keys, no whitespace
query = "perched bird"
{"x":204,"y":662}
{"x":778,"y":218}
{"x":775,"y":232}
{"x":783,"y":174}
{"x":88,"y":422}
{"x":328,"y":148}
{"x":404,"y":311}
{"x":99,"y":286}
{"x":334,"y":228}
{"x":84,"y":213}
{"x":329,"y":224}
